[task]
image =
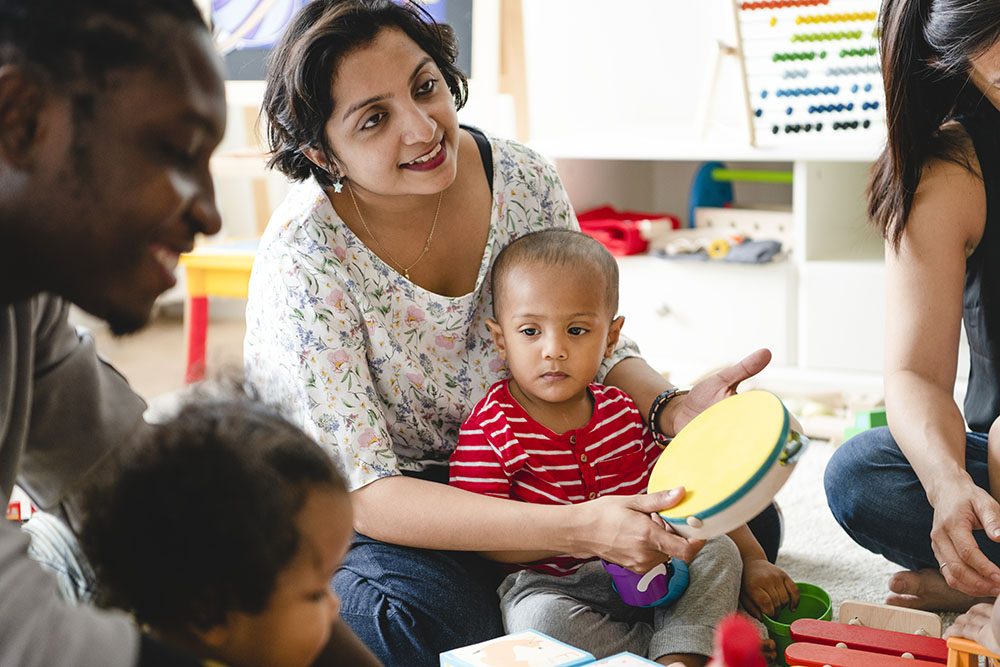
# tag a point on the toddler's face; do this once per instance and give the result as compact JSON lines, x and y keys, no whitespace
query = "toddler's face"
{"x":295,"y":626}
{"x":554,"y":330}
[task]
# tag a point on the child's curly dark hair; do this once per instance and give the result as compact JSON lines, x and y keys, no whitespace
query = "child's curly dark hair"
{"x":200,"y":518}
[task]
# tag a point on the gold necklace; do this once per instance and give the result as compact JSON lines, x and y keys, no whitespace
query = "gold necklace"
{"x":427,"y":243}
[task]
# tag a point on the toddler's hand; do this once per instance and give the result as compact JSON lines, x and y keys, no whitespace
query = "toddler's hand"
{"x":766,"y":588}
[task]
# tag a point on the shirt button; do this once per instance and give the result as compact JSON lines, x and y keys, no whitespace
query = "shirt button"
{"x":583,"y":458}
{"x":572,"y":439}
{"x":592,"y":495}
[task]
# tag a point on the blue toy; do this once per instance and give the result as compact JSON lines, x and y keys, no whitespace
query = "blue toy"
{"x":707,"y":191}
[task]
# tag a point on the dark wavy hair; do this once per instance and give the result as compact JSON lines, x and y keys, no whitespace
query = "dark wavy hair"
{"x":77,"y":40}
{"x":298,"y":99}
{"x":926,"y":48}
{"x":558,"y":247}
{"x":200,"y":518}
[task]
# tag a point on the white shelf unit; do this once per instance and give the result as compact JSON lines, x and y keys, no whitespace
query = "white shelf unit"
{"x":820,"y":310}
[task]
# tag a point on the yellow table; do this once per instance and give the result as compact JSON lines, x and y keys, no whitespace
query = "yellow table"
{"x":213,"y":269}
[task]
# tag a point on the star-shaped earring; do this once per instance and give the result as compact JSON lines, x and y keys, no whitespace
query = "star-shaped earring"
{"x":338,"y":186}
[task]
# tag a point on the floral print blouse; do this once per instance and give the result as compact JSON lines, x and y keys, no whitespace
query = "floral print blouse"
{"x":379,"y":371}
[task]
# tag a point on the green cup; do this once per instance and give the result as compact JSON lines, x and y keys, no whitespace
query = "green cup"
{"x":814,"y":602}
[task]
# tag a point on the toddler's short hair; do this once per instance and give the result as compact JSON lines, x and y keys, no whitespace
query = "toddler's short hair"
{"x":559,"y":247}
{"x":200,"y":518}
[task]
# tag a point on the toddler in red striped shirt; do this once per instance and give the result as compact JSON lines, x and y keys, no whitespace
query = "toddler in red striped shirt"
{"x":551,"y":434}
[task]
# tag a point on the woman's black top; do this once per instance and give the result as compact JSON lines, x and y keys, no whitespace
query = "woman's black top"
{"x":981,"y":304}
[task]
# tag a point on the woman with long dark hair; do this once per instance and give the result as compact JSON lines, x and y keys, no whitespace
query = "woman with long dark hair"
{"x":918,"y":491}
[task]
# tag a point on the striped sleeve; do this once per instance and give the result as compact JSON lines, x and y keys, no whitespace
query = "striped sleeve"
{"x":475,"y":465}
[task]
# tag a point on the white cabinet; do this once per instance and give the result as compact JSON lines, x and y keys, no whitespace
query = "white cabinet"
{"x":691,"y":317}
{"x":820,"y":309}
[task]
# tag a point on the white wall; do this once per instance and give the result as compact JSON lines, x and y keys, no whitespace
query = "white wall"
{"x":631,"y":63}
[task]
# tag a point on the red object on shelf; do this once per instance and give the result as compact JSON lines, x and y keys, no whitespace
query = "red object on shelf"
{"x":618,"y":231}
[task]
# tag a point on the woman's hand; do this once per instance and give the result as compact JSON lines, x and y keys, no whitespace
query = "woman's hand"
{"x":958,"y":512}
{"x":620,"y":530}
{"x":711,"y":390}
{"x":977,"y":625}
{"x":766,"y":588}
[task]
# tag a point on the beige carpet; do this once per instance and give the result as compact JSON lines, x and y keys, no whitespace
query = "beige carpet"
{"x":815,"y":548}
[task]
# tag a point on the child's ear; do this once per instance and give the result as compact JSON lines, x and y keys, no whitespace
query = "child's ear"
{"x":497,"y":334}
{"x":614,"y":332}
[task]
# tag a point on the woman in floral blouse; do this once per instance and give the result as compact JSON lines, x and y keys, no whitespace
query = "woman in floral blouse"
{"x":366,"y":322}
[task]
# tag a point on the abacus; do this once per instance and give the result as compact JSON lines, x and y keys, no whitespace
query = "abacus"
{"x":811,"y":70}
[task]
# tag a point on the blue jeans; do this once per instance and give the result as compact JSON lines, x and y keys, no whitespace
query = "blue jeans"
{"x":408,"y":605}
{"x":877,"y":498}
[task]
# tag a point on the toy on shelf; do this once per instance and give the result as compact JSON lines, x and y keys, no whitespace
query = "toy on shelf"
{"x":706,"y":190}
{"x":732,"y":458}
{"x":869,"y":635}
{"x":966,"y":653}
{"x":623,"y":232}
{"x":810,"y":70}
{"x":720,"y":231}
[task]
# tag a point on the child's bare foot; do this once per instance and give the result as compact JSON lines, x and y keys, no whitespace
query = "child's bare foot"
{"x":927,"y":589}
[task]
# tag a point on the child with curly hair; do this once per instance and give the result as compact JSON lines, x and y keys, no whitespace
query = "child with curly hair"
{"x":222,"y":533}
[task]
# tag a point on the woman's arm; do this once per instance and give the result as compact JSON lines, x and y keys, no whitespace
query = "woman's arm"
{"x":638,"y":379}
{"x":924,"y":293}
{"x":418,"y":513}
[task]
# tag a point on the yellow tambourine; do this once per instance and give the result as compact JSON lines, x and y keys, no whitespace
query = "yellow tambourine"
{"x":731,"y":459}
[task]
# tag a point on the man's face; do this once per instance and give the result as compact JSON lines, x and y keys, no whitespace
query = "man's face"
{"x":125,"y":186}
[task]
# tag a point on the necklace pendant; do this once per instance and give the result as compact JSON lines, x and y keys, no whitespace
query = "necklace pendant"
{"x":406,"y":274}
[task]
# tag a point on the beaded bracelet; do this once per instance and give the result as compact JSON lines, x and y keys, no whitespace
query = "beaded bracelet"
{"x":659,"y":403}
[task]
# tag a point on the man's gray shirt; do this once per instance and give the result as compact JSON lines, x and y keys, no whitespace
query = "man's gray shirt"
{"x":63,"y":411}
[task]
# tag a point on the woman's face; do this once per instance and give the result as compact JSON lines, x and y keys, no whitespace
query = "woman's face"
{"x":985,"y":73}
{"x":394,"y":128}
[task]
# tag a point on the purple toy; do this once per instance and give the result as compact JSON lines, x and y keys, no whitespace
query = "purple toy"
{"x":661,"y":585}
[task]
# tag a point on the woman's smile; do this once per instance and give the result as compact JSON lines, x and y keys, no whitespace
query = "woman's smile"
{"x":430,"y":160}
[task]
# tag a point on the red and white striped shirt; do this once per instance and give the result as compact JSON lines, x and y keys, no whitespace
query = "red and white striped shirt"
{"x":503,"y":452}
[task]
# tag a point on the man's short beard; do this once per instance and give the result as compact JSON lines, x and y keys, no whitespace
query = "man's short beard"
{"x":123,"y":324}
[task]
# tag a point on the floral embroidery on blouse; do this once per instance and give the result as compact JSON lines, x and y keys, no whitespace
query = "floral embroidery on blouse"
{"x":382,"y":372}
